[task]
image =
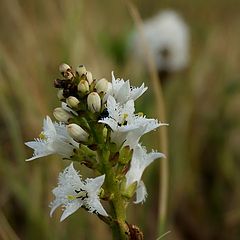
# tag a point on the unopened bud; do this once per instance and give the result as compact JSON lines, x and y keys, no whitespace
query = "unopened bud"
{"x":60,"y":94}
{"x":94,"y":102}
{"x":72,"y":102}
{"x":83,"y":86}
{"x":64,"y":67}
{"x":89,"y":77}
{"x":81,"y":70}
{"x":61,"y":115}
{"x":105,"y":132}
{"x":66,"y":70}
{"x":102,"y":85}
{"x":109,"y":86}
{"x":77,"y":133}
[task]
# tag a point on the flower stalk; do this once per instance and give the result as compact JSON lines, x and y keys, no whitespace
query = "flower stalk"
{"x":117,"y":204}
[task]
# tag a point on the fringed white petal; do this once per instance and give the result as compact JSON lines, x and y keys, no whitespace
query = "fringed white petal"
{"x":72,"y":192}
{"x":141,"y":193}
{"x":55,"y":140}
{"x":70,"y":209}
{"x":97,"y":206}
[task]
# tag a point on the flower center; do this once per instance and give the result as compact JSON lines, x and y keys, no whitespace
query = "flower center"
{"x":124,"y":119}
{"x":42,"y":136}
{"x":81,"y":194}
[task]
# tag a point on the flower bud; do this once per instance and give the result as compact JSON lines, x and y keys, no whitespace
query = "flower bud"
{"x":61,"y":115}
{"x":81,"y":70}
{"x":102,"y":85}
{"x":77,"y":133}
{"x":64,"y":67}
{"x":89,"y":77}
{"x":66,"y":70}
{"x":60,"y":94}
{"x":83,"y":86}
{"x":94,"y":102}
{"x":72,"y":102}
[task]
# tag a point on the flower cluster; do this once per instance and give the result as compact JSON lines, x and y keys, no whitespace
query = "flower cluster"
{"x":99,"y":128}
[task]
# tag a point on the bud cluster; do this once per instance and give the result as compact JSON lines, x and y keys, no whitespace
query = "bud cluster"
{"x":80,"y":91}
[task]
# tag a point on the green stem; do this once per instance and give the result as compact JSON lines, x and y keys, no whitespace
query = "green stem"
{"x":119,"y":227}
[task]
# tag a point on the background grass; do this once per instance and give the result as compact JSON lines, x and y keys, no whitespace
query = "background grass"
{"x":202,"y":104}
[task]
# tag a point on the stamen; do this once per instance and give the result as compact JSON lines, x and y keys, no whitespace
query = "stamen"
{"x":81,"y":194}
{"x":42,"y":136}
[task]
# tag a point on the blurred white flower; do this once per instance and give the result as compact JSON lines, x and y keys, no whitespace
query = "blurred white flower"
{"x":140,"y":160}
{"x":72,"y":192}
{"x":54,"y":139}
{"x":167,"y":36}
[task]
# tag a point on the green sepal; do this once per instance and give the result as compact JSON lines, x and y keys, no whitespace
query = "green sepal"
{"x":114,"y":159}
{"x":122,"y":170}
{"x":105,"y":133}
{"x":101,"y":193}
{"x":85,"y":156}
{"x":125,"y":155}
{"x":130,"y":190}
{"x":92,"y":86}
{"x":113,"y":147}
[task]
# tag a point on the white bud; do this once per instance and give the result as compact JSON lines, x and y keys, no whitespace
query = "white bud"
{"x":94,"y":102}
{"x":83,"y":86}
{"x":72,"y":102}
{"x":81,"y":70}
{"x":102,"y":85}
{"x":61,"y":115}
{"x":64,"y":67}
{"x":109,"y":86}
{"x":89,"y":77}
{"x":66,"y":71}
{"x":60,"y":94}
{"x":77,"y":133}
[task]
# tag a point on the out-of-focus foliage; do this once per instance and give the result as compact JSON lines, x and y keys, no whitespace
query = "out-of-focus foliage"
{"x":202,"y":102}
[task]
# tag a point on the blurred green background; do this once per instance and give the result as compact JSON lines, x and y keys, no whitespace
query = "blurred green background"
{"x":202,"y":102}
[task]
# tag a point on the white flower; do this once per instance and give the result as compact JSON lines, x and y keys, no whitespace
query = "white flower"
{"x":53,"y":140}
{"x":127,"y":127}
{"x":167,"y":37}
{"x":122,"y":91}
{"x":72,"y":192}
{"x":140,"y":160}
